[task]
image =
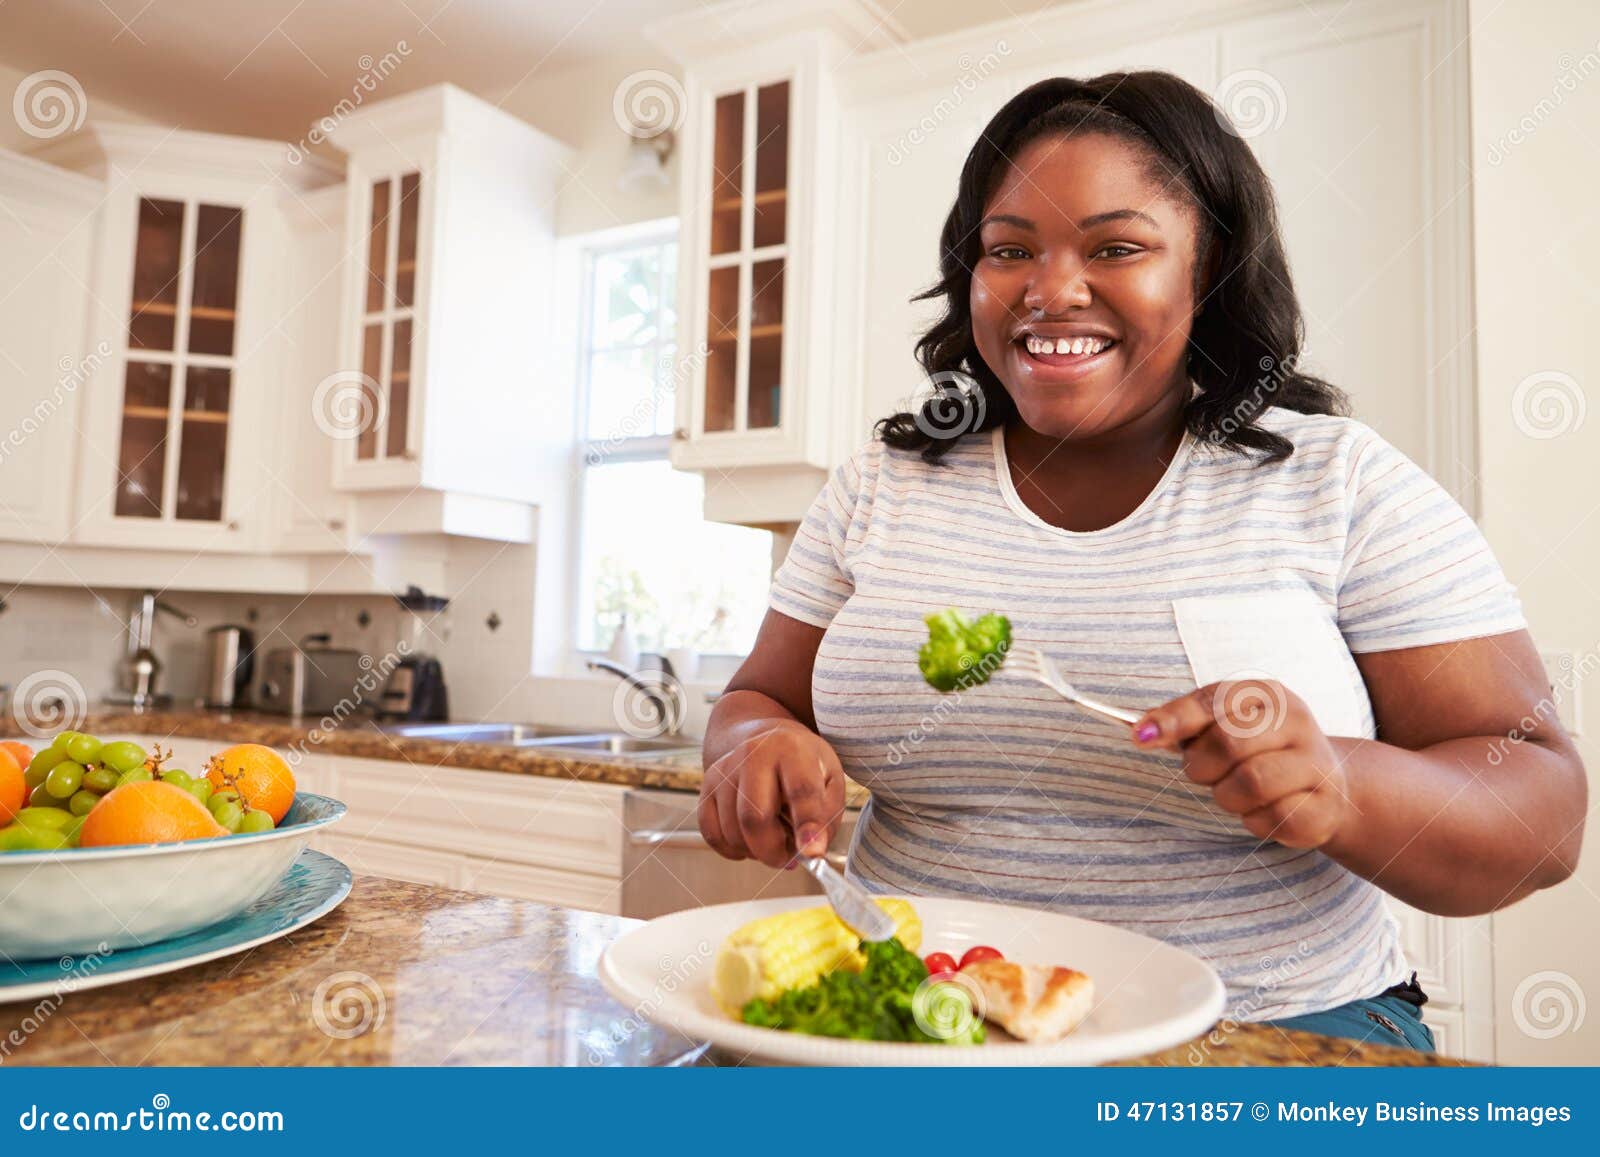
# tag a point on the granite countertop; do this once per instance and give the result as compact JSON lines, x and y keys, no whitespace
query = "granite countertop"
{"x":403,"y":974}
{"x":360,"y":739}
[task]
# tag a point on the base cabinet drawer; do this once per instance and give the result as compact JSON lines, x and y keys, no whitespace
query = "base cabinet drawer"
{"x":367,"y":857}
{"x":545,"y":885}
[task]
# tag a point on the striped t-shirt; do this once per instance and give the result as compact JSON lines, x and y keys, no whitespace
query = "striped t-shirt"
{"x":1229,"y":567}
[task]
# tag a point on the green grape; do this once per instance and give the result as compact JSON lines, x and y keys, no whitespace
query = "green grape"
{"x":48,"y":840}
{"x":256,"y":820}
{"x":82,"y":803}
{"x":64,"y":779}
{"x":122,"y":755}
{"x":39,"y":766}
{"x":40,"y":797}
{"x":201,"y":790}
{"x":100,"y":779}
{"x":177,"y":778}
{"x":72,"y":830}
{"x":44,"y":817}
{"x":84,"y":748}
{"x":137,"y":775}
{"x":59,"y":743}
{"x":16,"y":838}
{"x":230,"y":815}
{"x":226,"y":795}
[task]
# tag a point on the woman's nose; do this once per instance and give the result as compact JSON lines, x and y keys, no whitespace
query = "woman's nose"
{"x":1057,"y":286}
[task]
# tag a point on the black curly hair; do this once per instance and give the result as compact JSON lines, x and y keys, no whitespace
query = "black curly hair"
{"x":1244,"y":346}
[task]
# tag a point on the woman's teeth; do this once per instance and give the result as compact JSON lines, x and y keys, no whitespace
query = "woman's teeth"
{"x":1066,"y":345}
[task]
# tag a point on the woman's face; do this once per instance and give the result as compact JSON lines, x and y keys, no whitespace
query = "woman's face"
{"x":1080,"y":245}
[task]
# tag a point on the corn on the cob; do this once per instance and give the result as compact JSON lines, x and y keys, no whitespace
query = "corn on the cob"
{"x":793,"y":949}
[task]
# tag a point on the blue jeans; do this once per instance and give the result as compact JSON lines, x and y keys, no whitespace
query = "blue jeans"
{"x":1393,"y":1017}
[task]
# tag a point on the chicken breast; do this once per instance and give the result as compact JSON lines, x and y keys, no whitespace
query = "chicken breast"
{"x":1032,"y":1002}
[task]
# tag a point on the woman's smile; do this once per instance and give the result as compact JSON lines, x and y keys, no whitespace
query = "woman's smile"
{"x":1057,"y":355}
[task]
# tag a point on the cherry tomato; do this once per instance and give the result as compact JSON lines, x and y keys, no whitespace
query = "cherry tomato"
{"x":939,"y":962}
{"x":980,"y":952}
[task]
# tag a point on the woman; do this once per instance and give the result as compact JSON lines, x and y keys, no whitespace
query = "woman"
{"x":1147,"y":484}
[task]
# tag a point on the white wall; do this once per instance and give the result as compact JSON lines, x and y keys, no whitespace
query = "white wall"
{"x":1537,"y":247}
{"x":576,"y":106}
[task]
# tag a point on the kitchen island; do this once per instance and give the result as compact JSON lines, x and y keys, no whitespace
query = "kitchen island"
{"x":406,"y":974}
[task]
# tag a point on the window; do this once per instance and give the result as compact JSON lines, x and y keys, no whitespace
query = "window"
{"x":644,"y":548}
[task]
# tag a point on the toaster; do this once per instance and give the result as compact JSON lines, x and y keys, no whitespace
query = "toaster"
{"x":310,"y":680}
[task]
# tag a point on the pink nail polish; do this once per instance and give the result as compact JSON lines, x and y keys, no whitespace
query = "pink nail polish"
{"x":1148,"y":731}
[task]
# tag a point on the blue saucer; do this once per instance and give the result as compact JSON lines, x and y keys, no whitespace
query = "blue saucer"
{"x":314,"y":885}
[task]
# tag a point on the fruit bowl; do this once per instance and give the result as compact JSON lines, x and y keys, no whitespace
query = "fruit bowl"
{"x":74,"y":901}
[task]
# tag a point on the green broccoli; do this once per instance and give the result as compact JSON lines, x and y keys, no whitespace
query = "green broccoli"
{"x":877,"y":1003}
{"x":959,"y":654}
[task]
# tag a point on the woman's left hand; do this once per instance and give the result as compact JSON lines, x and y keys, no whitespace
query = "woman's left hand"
{"x":1256,"y":745}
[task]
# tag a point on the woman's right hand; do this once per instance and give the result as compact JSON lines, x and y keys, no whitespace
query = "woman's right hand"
{"x":777,"y":792}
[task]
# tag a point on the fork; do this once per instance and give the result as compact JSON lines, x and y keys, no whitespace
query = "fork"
{"x":1041,"y":669}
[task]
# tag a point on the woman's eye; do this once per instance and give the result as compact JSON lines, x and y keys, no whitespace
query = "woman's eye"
{"x":1008,"y":252}
{"x":1115,"y":251}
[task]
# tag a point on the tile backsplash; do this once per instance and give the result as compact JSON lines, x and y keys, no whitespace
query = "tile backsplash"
{"x":84,"y":632}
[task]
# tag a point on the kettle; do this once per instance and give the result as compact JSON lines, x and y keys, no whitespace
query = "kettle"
{"x":231,"y":660}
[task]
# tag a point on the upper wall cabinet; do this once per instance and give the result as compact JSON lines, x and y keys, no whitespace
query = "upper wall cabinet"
{"x":759,"y":173}
{"x":450,"y":210}
{"x":183,"y":306}
{"x":47,"y":234}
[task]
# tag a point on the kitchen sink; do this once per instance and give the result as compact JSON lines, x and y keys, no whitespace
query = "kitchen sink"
{"x":624,"y":745}
{"x":511,"y":734}
{"x":551,"y":736}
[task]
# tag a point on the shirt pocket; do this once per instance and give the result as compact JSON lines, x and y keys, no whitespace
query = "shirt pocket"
{"x":1287,"y":635}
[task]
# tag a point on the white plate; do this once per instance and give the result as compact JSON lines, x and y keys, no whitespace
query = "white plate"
{"x":1149,"y":995}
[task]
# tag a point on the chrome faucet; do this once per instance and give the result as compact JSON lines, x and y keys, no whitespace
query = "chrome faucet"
{"x":140,"y":669}
{"x":664,"y":694}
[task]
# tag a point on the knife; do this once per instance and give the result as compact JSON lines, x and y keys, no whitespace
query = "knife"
{"x":852,"y":903}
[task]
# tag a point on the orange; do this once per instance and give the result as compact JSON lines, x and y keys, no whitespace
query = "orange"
{"x":260,"y":775}
{"x":147,"y":812}
{"x":22,"y":751}
{"x":13,"y":789}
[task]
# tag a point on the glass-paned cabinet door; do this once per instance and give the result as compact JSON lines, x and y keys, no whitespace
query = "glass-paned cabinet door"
{"x":388,"y":317}
{"x":172,"y":453}
{"x":747,"y":256}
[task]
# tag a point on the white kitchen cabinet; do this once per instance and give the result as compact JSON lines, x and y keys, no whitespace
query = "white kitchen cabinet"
{"x":761,"y":141}
{"x":47,"y":232}
{"x":449,"y":424}
{"x":183,"y":296}
{"x":312,"y":516}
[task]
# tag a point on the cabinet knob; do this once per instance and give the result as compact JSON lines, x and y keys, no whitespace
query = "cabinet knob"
{"x":680,"y":435}
{"x":335,"y":524}
{"x":233,"y":524}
